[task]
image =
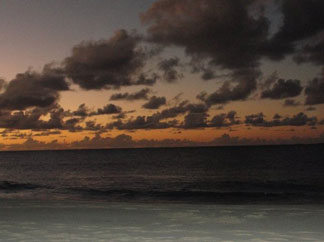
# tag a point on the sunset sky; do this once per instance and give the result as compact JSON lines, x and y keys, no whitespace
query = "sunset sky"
{"x":106,"y":74}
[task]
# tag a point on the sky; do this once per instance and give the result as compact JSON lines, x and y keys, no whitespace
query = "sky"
{"x":107,"y":74}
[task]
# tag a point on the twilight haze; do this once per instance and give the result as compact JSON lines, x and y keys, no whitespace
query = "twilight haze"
{"x":106,"y":74}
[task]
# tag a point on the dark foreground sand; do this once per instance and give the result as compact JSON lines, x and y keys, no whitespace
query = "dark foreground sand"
{"x":26,"y":220}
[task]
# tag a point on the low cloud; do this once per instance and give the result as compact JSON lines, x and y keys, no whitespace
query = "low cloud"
{"x":32,"y":144}
{"x":283,"y":89}
{"x":312,"y":53}
{"x":180,"y":109}
{"x":301,"y":20}
{"x":140,"y":122}
{"x":105,"y":64}
{"x":126,"y":141}
{"x":209,"y":31}
{"x":195,"y":120}
{"x":195,"y":116}
{"x":82,"y":111}
{"x":47,"y":133}
{"x":33,"y":89}
{"x":31,"y":119}
{"x":291,"y":103}
{"x":210,"y":34}
{"x":246,"y":83}
{"x":158,"y":119}
{"x":314,"y":91}
{"x":310,"y":108}
{"x":109,"y":109}
{"x":200,"y":120}
{"x":299,"y":119}
{"x":154,"y":102}
{"x":168,"y":67}
{"x":196,"y":26}
{"x":139,"y":95}
{"x":224,"y":120}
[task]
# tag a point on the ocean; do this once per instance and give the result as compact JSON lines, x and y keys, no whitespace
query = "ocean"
{"x":252,"y":193}
{"x":211,"y":174}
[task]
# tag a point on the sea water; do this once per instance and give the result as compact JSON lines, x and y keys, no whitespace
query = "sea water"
{"x":269,"y":193}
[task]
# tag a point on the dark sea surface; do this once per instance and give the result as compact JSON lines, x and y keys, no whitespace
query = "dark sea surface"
{"x":268,"y":193}
{"x":292,"y":174}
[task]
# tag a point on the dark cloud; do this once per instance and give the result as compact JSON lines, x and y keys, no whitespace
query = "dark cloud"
{"x":310,"y":108}
{"x":32,"y":144}
{"x":224,"y":120}
{"x":107,"y":63}
{"x":311,"y":53}
{"x":172,"y":112}
{"x":33,"y":89}
{"x":199,"y":119}
{"x":314,"y":91}
{"x":93,"y":126}
{"x":5,"y":132}
{"x":208,"y":74}
{"x":123,"y":141}
{"x":291,"y":103}
{"x":82,"y":111}
{"x":269,"y":81}
{"x":154,"y":102}
{"x":143,"y":79}
{"x":246,"y":83}
{"x":198,"y":114}
{"x":226,"y":37}
{"x":48,"y":133}
{"x":158,"y":119}
{"x":255,"y":119}
{"x":176,"y":99}
{"x":54,"y":118}
{"x":140,"y":122}
{"x":72,"y":124}
{"x":16,"y":135}
{"x":283,"y":89}
{"x":225,"y":139}
{"x":107,"y":142}
{"x":196,"y":108}
{"x":109,"y":109}
{"x":123,"y":114}
{"x":180,"y":109}
{"x":32,"y":119}
{"x":195,"y":117}
{"x":168,"y":67}
{"x":139,"y":95}
{"x":299,"y":119}
{"x":221,"y":30}
{"x":207,"y":71}
{"x":236,"y":35}
{"x":222,"y":33}
{"x":302,"y":19}
{"x":126,"y":141}
{"x":195,"y":120}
